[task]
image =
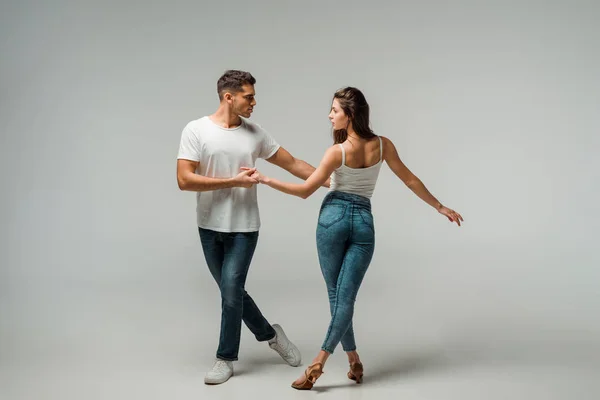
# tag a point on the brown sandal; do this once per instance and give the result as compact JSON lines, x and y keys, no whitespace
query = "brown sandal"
{"x":356,"y":372}
{"x":312,"y":373}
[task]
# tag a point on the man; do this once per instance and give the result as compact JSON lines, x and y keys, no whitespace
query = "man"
{"x":216,"y":159}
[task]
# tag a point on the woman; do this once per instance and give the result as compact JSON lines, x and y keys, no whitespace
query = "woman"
{"x":345,"y":230}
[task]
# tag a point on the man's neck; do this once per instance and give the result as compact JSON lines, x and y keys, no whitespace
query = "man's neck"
{"x":225,"y":118}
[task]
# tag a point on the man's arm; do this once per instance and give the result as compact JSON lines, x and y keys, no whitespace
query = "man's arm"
{"x":188,"y":179}
{"x":299,"y":168}
{"x":331,"y":160}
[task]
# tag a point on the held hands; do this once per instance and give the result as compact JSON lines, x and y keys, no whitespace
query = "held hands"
{"x":257,"y":176}
{"x":452,"y":215}
{"x":246,"y":178}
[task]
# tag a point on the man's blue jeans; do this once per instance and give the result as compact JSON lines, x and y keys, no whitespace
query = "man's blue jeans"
{"x":228,"y":256}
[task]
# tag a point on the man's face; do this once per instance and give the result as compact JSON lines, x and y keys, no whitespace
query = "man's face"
{"x":243,"y":102}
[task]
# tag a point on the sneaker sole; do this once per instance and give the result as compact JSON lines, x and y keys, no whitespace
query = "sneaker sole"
{"x":212,"y":383}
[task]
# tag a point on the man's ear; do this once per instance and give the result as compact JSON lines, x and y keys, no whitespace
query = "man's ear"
{"x":228,"y":97}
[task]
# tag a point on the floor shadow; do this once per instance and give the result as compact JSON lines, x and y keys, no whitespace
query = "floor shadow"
{"x":398,"y":366}
{"x":255,"y":363}
{"x":394,"y":367}
{"x":324,"y":388}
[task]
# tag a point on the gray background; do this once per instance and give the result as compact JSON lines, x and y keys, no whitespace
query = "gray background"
{"x":494,"y":105}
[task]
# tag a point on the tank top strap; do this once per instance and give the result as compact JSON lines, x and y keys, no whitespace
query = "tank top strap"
{"x":343,"y":154}
{"x":380,"y":149}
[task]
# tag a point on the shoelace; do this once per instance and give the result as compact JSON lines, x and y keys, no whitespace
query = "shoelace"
{"x":281,"y":349}
{"x":221,"y":366}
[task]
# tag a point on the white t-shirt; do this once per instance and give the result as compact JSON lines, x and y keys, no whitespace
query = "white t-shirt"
{"x":221,"y":152}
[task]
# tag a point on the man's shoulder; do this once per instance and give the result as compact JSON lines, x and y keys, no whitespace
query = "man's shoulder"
{"x":197,"y":123}
{"x":254,"y":127}
{"x":197,"y":128}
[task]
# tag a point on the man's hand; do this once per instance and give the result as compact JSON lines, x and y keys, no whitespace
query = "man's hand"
{"x":245,"y":178}
{"x":260,"y":178}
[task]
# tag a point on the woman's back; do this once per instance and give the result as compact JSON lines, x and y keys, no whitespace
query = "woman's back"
{"x":361,"y":162}
{"x":362,"y":153}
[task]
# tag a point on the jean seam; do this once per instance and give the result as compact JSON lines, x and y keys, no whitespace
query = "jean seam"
{"x":227,"y":358}
{"x":351,"y":221}
{"x":261,"y":339}
{"x":371,"y":227}
{"x":335,"y":307}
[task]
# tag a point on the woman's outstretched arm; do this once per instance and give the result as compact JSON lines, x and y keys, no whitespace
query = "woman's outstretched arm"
{"x":331,"y":160}
{"x":390,"y":155}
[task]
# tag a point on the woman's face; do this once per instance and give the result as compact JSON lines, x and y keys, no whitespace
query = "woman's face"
{"x":338,"y":118}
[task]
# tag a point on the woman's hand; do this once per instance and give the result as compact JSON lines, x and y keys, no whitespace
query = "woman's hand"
{"x":452,"y":215}
{"x":260,"y":178}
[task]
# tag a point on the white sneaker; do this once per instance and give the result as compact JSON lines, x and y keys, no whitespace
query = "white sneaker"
{"x":286,"y":349}
{"x":220,"y":372}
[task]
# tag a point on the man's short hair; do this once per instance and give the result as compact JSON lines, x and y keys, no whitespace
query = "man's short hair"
{"x":232,"y":81}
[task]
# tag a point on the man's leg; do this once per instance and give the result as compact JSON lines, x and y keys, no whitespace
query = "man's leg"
{"x":239,"y":250}
{"x":233,"y":252}
{"x":228,"y":256}
{"x":214,"y":253}
{"x":213,"y":247}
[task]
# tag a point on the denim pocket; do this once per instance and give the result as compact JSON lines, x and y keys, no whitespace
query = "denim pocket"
{"x":367,"y":218}
{"x":330,"y":214}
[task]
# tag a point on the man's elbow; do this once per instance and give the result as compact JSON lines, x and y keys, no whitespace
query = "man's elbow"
{"x":182,"y":183}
